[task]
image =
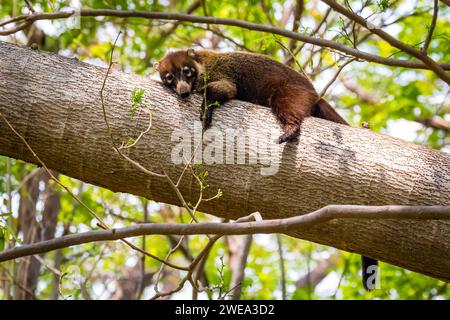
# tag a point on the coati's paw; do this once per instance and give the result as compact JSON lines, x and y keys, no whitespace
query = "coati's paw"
{"x":286,"y":137}
{"x":291,"y":131}
{"x":281,"y":139}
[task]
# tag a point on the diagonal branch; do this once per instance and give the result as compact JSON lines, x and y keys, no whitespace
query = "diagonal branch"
{"x":236,"y":23}
{"x":432,"y":26}
{"x":391,"y":40}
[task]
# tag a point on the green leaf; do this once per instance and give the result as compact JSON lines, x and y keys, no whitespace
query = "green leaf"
{"x":136,"y":100}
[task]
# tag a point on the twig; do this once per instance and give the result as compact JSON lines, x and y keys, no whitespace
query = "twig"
{"x":12,"y":20}
{"x":298,"y":12}
{"x":30,"y":19}
{"x":30,"y":6}
{"x":150,"y":118}
{"x":341,"y":277}
{"x":290,"y":58}
{"x":324,"y":90}
{"x":192,"y":268}
{"x":432,"y":26}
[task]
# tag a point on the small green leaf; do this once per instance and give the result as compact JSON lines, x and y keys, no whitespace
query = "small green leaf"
{"x":130,"y":141}
{"x":136,"y":100}
{"x":7,"y":214}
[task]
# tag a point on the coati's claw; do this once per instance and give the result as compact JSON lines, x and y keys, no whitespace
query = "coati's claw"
{"x":283,"y":138}
{"x":291,"y":131}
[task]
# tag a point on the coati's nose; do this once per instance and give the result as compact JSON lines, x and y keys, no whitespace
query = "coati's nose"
{"x":184,"y":94}
{"x":183,"y":89}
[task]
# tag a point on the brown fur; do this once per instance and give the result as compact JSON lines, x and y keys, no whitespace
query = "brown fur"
{"x":249,"y":77}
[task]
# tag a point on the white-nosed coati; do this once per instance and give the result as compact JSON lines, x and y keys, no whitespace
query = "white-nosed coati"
{"x":249,"y":77}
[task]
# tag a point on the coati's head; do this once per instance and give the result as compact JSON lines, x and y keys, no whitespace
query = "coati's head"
{"x":178,"y":71}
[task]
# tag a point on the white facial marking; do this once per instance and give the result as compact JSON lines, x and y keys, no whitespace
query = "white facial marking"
{"x":169,"y":78}
{"x":186,"y":71}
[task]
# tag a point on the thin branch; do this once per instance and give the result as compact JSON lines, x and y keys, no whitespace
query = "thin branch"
{"x":12,"y":20}
{"x":298,"y":12}
{"x":192,"y":268}
{"x":30,"y":19}
{"x":245,"y":25}
{"x":435,"y":122}
{"x":30,"y":6}
{"x":224,"y":37}
{"x":15,"y":29}
{"x":193,"y":7}
{"x":315,"y":276}
{"x":282,"y":267}
{"x":266,"y":227}
{"x":290,"y":58}
{"x":123,"y":146}
{"x":433,"y":65}
{"x":432,"y":26}
{"x":324,"y":90}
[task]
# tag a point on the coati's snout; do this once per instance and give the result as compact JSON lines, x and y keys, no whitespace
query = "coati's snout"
{"x":178,"y":72}
{"x":183,"y":89}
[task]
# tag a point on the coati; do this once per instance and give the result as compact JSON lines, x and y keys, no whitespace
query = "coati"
{"x":249,"y":77}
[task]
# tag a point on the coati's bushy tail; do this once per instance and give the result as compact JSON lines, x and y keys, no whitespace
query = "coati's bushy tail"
{"x":323,"y":110}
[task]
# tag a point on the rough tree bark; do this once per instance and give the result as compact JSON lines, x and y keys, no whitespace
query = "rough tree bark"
{"x":54,"y":103}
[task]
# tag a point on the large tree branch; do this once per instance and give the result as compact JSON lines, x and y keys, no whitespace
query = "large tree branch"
{"x":54,"y":102}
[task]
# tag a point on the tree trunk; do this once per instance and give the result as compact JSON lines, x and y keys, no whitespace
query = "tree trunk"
{"x":54,"y":103}
{"x":28,"y":268}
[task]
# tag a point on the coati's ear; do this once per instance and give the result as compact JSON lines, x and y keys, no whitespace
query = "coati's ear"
{"x":156,"y":65}
{"x":191,"y":53}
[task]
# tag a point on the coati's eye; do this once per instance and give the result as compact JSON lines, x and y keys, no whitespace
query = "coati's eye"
{"x":187,"y":72}
{"x":169,"y":77}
